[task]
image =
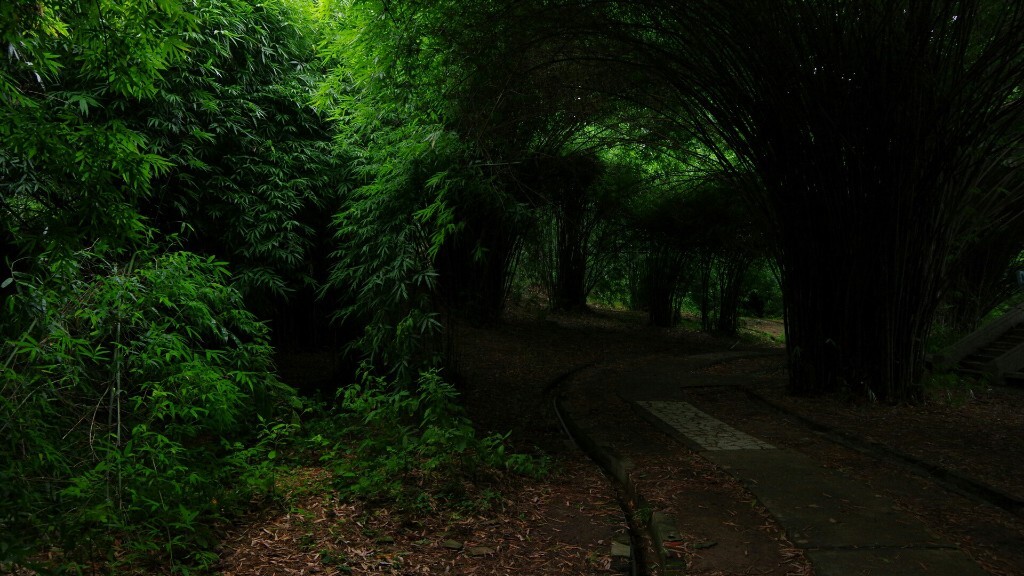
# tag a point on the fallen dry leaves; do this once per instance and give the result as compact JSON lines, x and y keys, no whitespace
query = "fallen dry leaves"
{"x":562,"y":525}
{"x":535,"y":529}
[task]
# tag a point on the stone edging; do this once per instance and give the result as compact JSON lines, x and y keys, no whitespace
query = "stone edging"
{"x":659,"y":527}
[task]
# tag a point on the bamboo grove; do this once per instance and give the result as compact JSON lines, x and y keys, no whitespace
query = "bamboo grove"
{"x":189,"y":188}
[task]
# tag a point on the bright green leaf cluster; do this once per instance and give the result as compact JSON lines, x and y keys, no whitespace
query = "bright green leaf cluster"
{"x":130,"y":406}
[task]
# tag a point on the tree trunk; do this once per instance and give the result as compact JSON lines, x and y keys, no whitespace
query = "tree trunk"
{"x":857,"y":325}
{"x":704,"y":266}
{"x":571,"y":248}
{"x":869,"y":128}
{"x":639,"y":271}
{"x":664,"y":267}
{"x":731,"y":273}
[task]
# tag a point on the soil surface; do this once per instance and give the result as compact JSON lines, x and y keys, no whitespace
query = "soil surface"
{"x":972,"y":429}
{"x":565,"y":523}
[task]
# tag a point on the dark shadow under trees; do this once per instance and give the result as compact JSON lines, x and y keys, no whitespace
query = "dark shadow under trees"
{"x":869,"y":126}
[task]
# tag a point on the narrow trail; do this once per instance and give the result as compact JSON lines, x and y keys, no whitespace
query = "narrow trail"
{"x":802,"y":497}
{"x":699,"y":519}
{"x":570,"y":522}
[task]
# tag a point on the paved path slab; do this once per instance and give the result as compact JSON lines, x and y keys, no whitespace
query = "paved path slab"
{"x":846,"y":528}
{"x":893,"y":562}
{"x":818,"y":507}
{"x":708,"y":432}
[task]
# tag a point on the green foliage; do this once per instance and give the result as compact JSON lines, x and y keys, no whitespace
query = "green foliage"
{"x":71,"y":163}
{"x":413,"y":447}
{"x":255,"y":170}
{"x":763,"y":280}
{"x":137,"y":402}
{"x":579,"y":230}
{"x":410,"y":166}
{"x":953,"y":389}
{"x":137,"y":407}
{"x":195,"y":116}
{"x":389,"y":233}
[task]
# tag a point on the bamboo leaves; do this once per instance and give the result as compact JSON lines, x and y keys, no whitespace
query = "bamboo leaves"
{"x":122,"y":374}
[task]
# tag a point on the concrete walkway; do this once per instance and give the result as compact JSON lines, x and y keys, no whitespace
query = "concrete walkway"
{"x":845,"y":527}
{"x":703,"y":430}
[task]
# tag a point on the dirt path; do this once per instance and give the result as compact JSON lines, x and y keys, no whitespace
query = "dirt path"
{"x":944,"y":431}
{"x":504,"y":366}
{"x":722,"y":529}
{"x":567,"y":523}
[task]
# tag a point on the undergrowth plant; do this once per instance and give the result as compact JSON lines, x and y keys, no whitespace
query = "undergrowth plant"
{"x":412,"y":447}
{"x":399,"y":434}
{"x":137,"y":407}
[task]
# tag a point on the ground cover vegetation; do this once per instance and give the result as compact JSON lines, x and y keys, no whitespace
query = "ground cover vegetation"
{"x":190,"y":189}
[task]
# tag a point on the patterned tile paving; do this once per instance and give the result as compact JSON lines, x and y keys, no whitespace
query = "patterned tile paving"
{"x":709,"y":433}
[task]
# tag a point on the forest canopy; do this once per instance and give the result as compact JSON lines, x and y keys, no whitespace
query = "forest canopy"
{"x":188,"y":189}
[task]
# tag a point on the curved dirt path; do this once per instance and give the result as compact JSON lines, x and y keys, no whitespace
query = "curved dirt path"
{"x":938,"y":530}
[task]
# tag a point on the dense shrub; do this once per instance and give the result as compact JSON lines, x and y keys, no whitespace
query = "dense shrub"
{"x":137,"y":406}
{"x":413,"y":447}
